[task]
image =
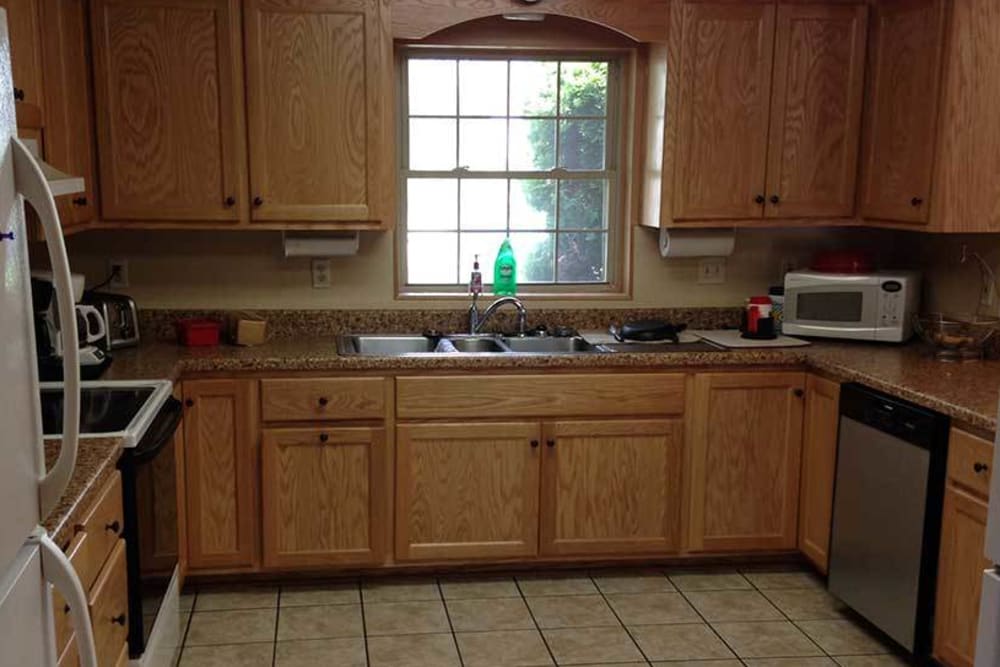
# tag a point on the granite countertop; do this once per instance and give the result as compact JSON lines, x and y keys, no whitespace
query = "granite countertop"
{"x":95,"y":464}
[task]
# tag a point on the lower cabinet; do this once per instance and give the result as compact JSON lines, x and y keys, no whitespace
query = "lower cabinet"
{"x":324,"y":494}
{"x":467,"y":490}
{"x":819,"y":469}
{"x":220,"y":463}
{"x":611,"y":487}
{"x":744,"y":448}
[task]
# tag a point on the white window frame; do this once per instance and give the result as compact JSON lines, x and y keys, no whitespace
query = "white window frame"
{"x":617,"y":130}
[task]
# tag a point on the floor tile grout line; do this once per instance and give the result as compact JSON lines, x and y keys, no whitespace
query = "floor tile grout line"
{"x":447,"y":615}
{"x":622,"y":623}
{"x":277,"y":624}
{"x":760,"y":591}
{"x":538,"y":629}
{"x":364,"y":621}
{"x":710,"y":626}
{"x":187,"y":627}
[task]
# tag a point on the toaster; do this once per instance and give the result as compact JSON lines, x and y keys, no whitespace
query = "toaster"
{"x":121,"y":316}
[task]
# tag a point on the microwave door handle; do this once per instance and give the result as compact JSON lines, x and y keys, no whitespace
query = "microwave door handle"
{"x":59,"y":572}
{"x":32,"y":185}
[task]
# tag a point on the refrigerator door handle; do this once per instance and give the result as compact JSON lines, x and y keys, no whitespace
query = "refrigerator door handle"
{"x":33,"y":186}
{"x":59,"y":572}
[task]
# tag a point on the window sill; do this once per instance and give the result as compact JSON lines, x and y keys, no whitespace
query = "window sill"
{"x":611,"y":295}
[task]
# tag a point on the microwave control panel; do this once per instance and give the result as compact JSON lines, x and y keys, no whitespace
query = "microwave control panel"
{"x":891,"y":303}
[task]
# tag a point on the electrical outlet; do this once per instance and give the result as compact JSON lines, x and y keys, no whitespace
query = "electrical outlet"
{"x":118,"y":270}
{"x":321,"y":273}
{"x":989,"y":295}
{"x":712,"y":271}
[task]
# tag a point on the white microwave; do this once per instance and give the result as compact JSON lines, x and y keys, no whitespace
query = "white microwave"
{"x":875,"y":306}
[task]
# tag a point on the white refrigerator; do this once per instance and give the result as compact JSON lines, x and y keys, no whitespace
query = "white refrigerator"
{"x":30,"y":563}
{"x":988,"y":633}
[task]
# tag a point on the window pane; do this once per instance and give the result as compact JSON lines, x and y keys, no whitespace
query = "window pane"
{"x":582,"y":257}
{"x":532,"y":204}
{"x":581,"y":144}
{"x":487,"y":246}
{"x":535,"y":255}
{"x":432,"y":88}
{"x":484,"y":204}
{"x":584,"y":89}
{"x":431,"y":258}
{"x":532,"y":145}
{"x":532,"y":88}
{"x":483,"y":90}
{"x":583,"y":205}
{"x":432,"y":144}
{"x":432,"y":203}
{"x":483,"y":144}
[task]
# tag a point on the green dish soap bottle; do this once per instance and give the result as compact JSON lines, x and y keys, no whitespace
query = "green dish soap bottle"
{"x":505,"y":271}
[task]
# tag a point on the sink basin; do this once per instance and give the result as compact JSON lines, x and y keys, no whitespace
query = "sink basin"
{"x":549,"y":345}
{"x":369,"y":345}
{"x":477,"y":344}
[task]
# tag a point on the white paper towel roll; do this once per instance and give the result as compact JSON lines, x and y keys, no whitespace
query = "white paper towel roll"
{"x":696,"y":242}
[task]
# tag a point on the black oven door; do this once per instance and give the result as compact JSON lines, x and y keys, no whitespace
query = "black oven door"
{"x":149,"y":489}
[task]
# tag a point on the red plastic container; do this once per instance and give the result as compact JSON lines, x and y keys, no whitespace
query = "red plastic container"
{"x":195,"y":332}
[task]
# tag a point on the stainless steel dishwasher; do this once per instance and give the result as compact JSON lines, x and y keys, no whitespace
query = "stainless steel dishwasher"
{"x":891,"y":461}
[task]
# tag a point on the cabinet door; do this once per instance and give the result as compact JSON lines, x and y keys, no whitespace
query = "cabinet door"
{"x":323,"y":494}
{"x":745,"y":445}
{"x":905,"y":83}
{"x":221,"y":449}
{"x":169,"y":81}
{"x":725,"y":85}
{"x":467,"y":491}
{"x":25,"y":60}
{"x":69,"y":117}
{"x":314,"y":86}
{"x":819,"y":467}
{"x":960,"y":576}
{"x":611,"y":487}
{"x":818,"y":89}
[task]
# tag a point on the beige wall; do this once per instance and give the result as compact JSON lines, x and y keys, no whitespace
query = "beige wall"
{"x":247,"y":270}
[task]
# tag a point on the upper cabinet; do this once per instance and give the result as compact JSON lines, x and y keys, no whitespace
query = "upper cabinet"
{"x":765,"y":120}
{"x":185,"y":138}
{"x":170,"y":110}
{"x":315,"y":111}
{"x":23,"y":22}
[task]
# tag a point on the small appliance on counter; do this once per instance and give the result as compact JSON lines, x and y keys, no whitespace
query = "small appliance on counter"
{"x":121,"y":317}
{"x":91,"y":329}
{"x":757,"y":319}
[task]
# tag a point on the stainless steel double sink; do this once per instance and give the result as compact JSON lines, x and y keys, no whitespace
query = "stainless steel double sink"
{"x":380,"y":345}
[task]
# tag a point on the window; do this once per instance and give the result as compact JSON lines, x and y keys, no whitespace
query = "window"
{"x":496,"y":146}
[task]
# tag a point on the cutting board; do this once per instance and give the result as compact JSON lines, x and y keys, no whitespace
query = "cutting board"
{"x":733,"y":338}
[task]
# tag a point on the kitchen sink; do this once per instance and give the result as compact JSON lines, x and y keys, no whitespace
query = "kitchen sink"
{"x":549,"y":345}
{"x":384,"y":346}
{"x":375,"y":345}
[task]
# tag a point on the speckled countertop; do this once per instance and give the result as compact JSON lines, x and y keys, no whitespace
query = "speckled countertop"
{"x":95,"y":463}
{"x":966,"y":392}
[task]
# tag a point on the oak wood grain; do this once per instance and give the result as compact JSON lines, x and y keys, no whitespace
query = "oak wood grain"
{"x":323,"y":492}
{"x":87,"y":572}
{"x":970,"y":459}
{"x":745,"y":439}
{"x":611,"y":487}
{"x":157,"y":508}
{"x":104,"y":523}
{"x":524,"y":396}
{"x":905,"y":54}
{"x":320,"y":399}
{"x":108,"y":602}
{"x":221,"y":453}
{"x":723,"y":100}
{"x":170,"y":113}
{"x":816,"y":98}
{"x":467,"y":490}
{"x":819,"y":468}
{"x":24,"y":30}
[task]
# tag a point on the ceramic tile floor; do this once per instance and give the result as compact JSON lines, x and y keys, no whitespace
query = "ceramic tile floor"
{"x":707,"y":618}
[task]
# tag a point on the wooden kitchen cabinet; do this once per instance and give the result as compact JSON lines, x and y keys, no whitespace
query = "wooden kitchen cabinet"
{"x":962,"y":560}
{"x":906,"y":49}
{"x":325,"y":496}
{"x":170,"y":112}
{"x":819,"y":469}
{"x":23,"y":27}
{"x":744,"y":442}
{"x":611,"y":487}
{"x":315,"y":75}
{"x":467,"y":490}
{"x":221,"y":451}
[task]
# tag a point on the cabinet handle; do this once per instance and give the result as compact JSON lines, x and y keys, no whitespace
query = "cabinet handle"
{"x":114,"y":527}
{"x":230,"y":201}
{"x":799,"y":393}
{"x":980,"y":467}
{"x":775,"y":199}
{"x":323,"y":400}
{"x":534,"y":443}
{"x":80,"y":201}
{"x":18,"y":94}
{"x":550,"y":443}
{"x":189,"y":402}
{"x":323,"y":437}
{"x":258,"y":201}
{"x":916,"y":202}
{"x":759,"y":199}
{"x":119,"y":619}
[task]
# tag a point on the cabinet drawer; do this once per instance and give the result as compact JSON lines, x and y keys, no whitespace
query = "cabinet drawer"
{"x":103,"y":526}
{"x":969,"y":461}
{"x":70,"y":656}
{"x":87,"y":570}
{"x":540,"y":395}
{"x":322,"y":399}
{"x":109,"y":608}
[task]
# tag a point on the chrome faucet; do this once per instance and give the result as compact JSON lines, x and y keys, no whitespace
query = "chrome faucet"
{"x":477,"y":321}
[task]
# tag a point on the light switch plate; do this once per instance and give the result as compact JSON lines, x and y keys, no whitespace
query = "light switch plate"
{"x":712,"y":271}
{"x":321,"y":277}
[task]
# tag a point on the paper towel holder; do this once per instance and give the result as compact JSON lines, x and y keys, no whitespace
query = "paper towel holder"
{"x":320,"y":244}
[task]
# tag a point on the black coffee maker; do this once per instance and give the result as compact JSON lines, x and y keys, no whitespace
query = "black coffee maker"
{"x":48,"y":339}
